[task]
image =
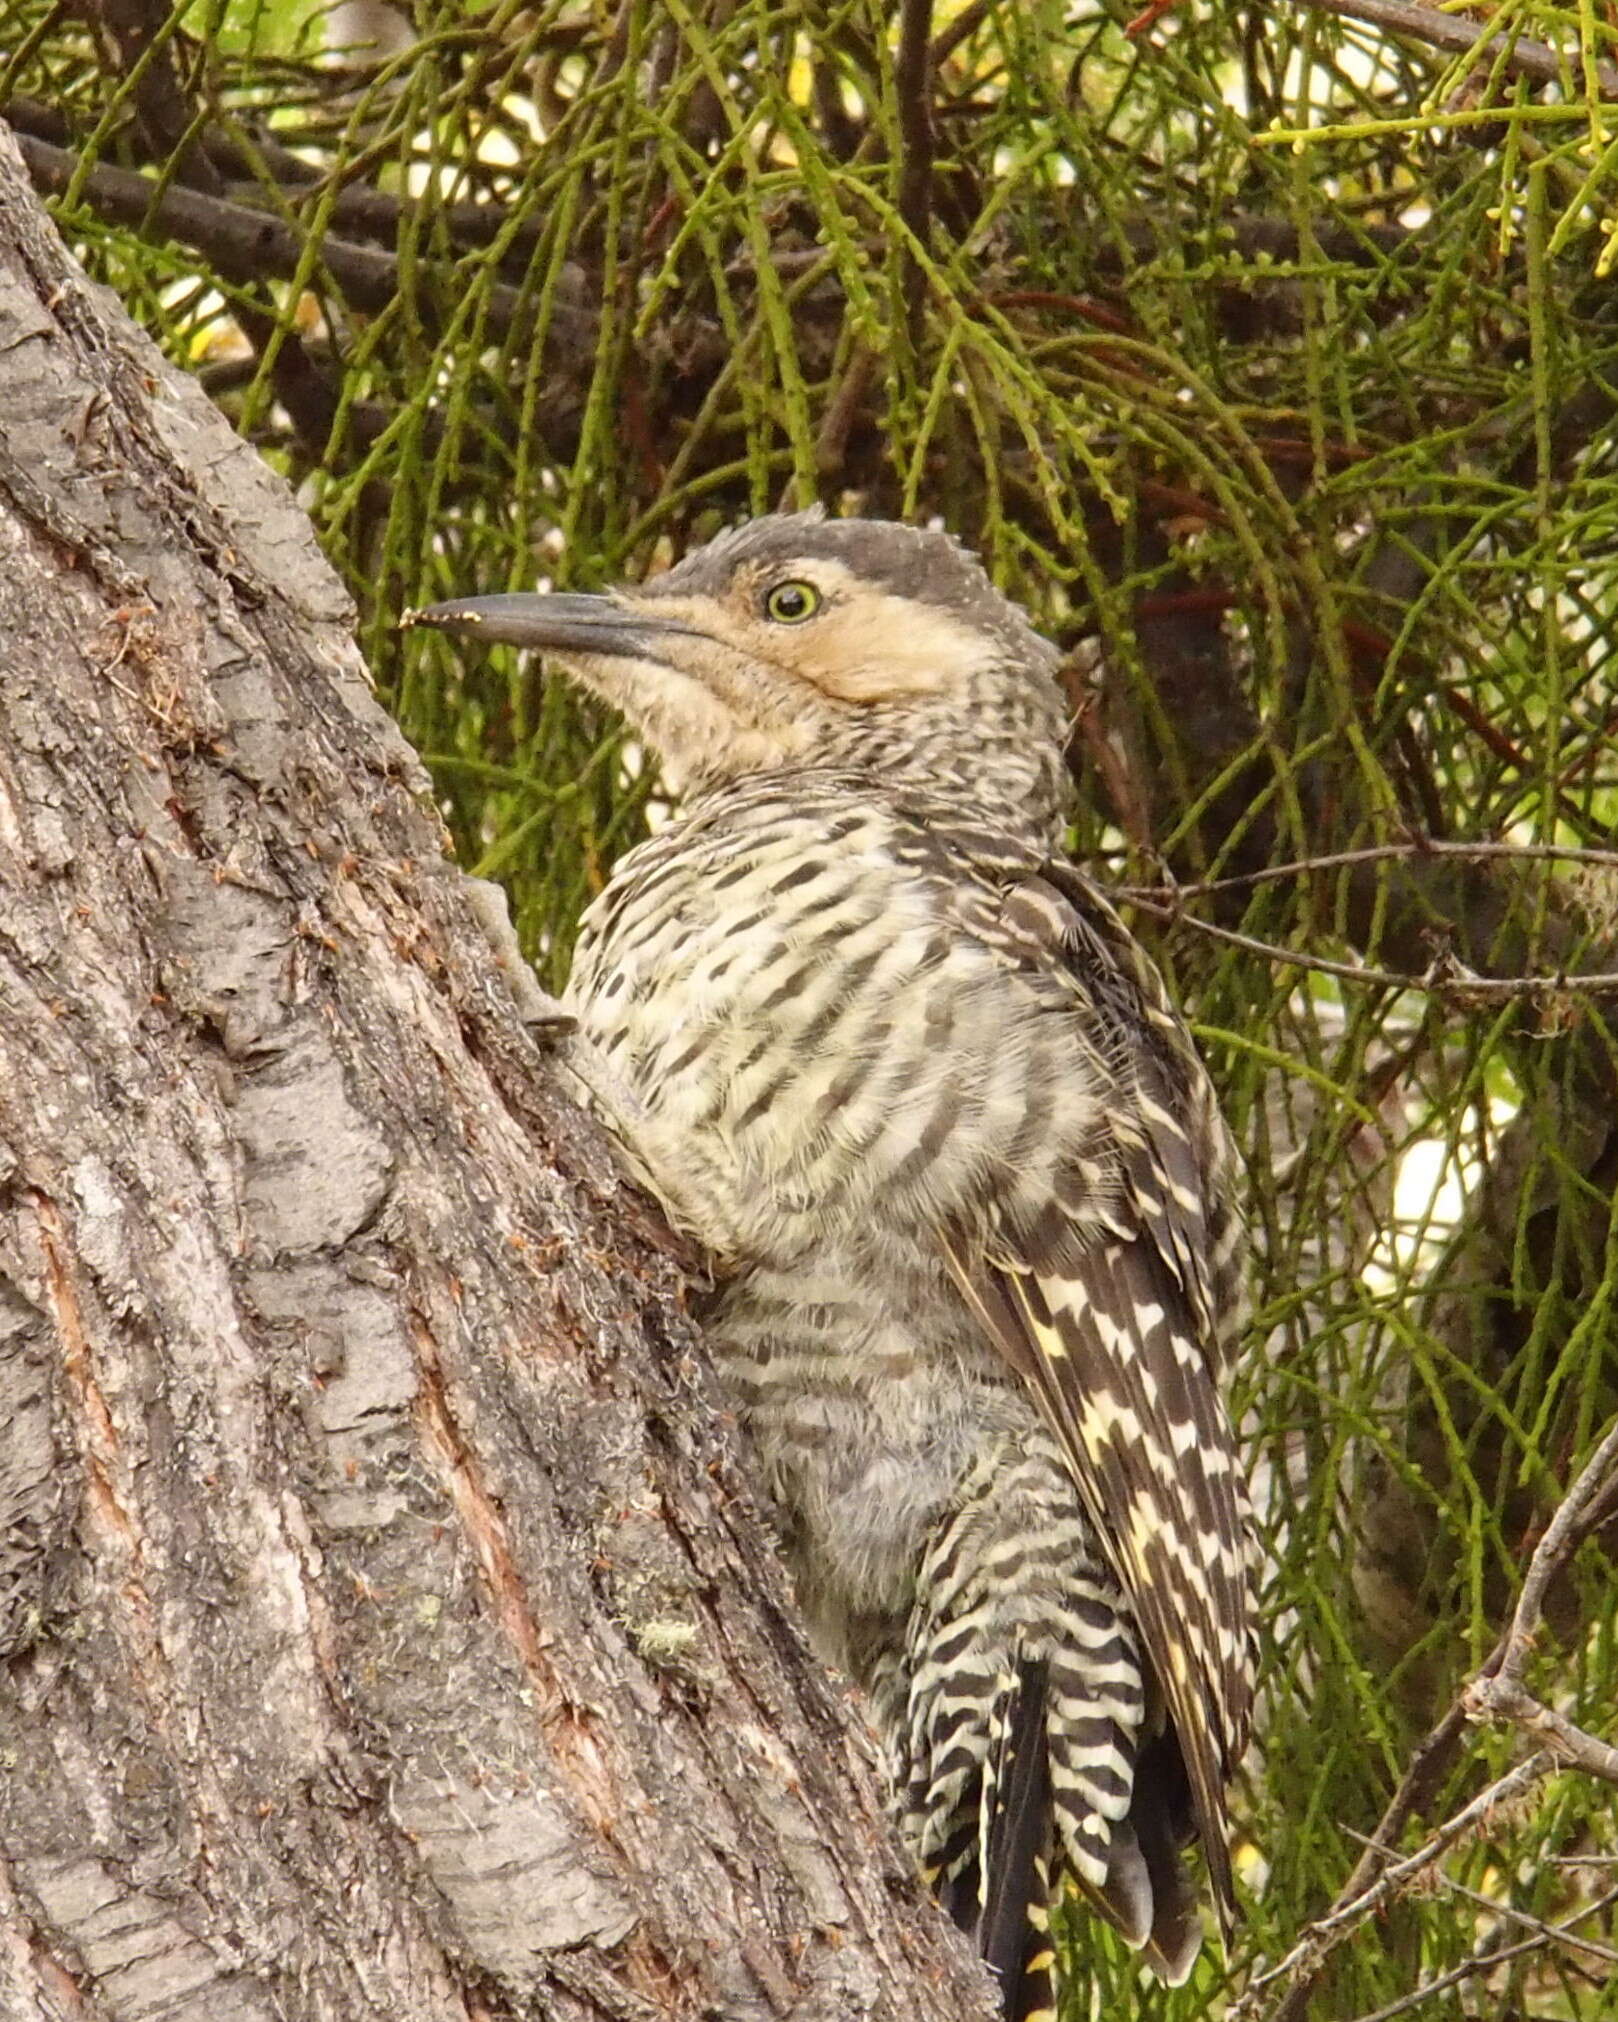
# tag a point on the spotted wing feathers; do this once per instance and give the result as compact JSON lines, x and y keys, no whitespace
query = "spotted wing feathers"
{"x":1116,"y":1307}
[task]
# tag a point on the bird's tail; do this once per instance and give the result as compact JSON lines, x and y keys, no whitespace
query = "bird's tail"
{"x":1003,"y":1889}
{"x":1029,"y":1751}
{"x":1014,"y":1927}
{"x":1148,"y":1896}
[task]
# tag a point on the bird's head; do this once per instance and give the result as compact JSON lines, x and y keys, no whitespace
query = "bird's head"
{"x":798,"y":641}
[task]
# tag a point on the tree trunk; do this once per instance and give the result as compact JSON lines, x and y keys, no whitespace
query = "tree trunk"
{"x":385,"y":1630}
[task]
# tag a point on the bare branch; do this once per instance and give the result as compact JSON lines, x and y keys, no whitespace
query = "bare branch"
{"x":245,"y":244}
{"x":1501,"y":1696}
{"x":1494,"y":1692}
{"x":1521,"y":56}
{"x":1324,"y":1936}
{"x":1581,"y":1509}
{"x":1557,"y":1933}
{"x":1487,"y":1958}
{"x":1420,"y":846}
{"x":913,"y":84}
{"x":1445,"y":978}
{"x":954,"y":33}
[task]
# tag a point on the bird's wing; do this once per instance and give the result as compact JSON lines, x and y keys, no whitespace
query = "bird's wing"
{"x":1115,"y":1307}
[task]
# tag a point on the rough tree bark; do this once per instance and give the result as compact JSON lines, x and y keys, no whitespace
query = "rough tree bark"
{"x":384,"y":1630}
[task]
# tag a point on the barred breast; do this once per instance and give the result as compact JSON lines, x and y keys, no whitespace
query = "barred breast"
{"x":782,"y":983}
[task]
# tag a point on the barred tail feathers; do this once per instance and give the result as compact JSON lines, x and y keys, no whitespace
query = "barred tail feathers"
{"x":1016,"y":1742}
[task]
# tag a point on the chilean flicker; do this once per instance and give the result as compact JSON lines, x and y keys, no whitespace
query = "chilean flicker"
{"x":901,"y":1070}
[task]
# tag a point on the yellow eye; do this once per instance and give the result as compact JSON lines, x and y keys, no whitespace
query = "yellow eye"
{"x":791,"y":603}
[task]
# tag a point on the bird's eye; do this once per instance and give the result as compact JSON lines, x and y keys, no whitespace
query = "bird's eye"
{"x":791,"y":603}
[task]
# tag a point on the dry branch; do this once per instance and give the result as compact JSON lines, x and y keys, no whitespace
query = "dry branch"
{"x":1489,"y":1958}
{"x":1517,"y":55}
{"x":1443,"y":977}
{"x":1495,"y":1692}
{"x":1499,"y":1694}
{"x":1302,"y":1963}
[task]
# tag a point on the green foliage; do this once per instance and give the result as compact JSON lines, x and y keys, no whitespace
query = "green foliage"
{"x":1275,"y":355}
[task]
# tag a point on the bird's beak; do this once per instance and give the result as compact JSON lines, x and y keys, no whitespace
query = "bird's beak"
{"x":560,"y":623}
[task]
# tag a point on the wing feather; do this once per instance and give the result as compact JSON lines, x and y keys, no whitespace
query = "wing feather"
{"x":1116,"y":1312}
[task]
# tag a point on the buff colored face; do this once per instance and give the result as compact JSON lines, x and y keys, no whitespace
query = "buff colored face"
{"x":762,"y":669}
{"x":817,"y":621}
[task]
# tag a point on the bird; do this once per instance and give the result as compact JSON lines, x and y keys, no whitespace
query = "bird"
{"x":896,"y":1064}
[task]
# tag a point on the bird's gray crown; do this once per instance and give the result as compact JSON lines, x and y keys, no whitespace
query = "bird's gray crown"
{"x":925,"y":564}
